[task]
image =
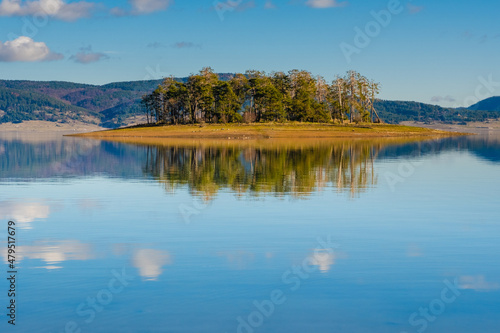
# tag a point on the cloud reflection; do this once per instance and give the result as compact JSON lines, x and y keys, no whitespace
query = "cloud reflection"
{"x":238,"y":259}
{"x":54,"y":253}
{"x":324,"y":259}
{"x":23,"y":212}
{"x":150,"y":262}
{"x":477,"y":283}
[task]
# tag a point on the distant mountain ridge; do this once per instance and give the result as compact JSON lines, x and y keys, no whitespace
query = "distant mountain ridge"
{"x":488,"y":104}
{"x":395,"y":112}
{"x":111,"y":104}
{"x":107,"y":105}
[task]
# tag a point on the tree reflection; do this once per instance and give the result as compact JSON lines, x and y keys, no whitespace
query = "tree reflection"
{"x":279,"y":170}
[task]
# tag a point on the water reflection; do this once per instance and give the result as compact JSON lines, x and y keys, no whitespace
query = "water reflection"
{"x":49,"y":158}
{"x":238,"y":259}
{"x":477,"y":283}
{"x":323,"y":259}
{"x":296,"y":170}
{"x":23,"y":212}
{"x":398,"y":245}
{"x":150,"y":262}
{"x":53,"y":254}
{"x":208,"y":166}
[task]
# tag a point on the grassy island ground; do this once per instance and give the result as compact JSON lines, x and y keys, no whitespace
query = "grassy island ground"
{"x":267,"y":130}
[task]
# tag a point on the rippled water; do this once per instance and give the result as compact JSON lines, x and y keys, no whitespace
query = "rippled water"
{"x":310,"y":236}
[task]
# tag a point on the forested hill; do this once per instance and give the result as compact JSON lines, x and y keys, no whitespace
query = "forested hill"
{"x":492,"y":104}
{"x":110,"y":105}
{"x":395,"y":112}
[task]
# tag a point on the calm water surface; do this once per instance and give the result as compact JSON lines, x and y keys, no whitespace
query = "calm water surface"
{"x":337,"y":236}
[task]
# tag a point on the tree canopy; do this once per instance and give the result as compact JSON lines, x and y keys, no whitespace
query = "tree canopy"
{"x":259,"y":97}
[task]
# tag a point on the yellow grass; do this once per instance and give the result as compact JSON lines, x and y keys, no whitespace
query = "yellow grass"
{"x":267,"y":131}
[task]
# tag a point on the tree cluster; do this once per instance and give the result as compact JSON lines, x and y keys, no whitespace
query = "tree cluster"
{"x":258,"y":97}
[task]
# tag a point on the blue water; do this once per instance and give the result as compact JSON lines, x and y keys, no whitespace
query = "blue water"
{"x":329,"y":237}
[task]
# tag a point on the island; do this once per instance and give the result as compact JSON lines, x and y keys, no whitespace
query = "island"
{"x":259,"y":105}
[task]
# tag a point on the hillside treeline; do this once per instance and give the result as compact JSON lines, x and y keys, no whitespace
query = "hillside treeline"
{"x":259,"y":97}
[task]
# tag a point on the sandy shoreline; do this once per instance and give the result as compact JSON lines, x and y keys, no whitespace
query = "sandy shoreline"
{"x":38,"y":126}
{"x":473,"y":127}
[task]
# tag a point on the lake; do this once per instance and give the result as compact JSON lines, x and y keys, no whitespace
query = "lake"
{"x":388,"y":235}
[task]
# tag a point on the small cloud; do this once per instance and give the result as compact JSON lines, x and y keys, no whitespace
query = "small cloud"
{"x":155,"y":45}
{"x":150,"y":263}
{"x":326,"y":3}
{"x":477,"y":283}
{"x":27,"y":50}
{"x":439,"y":99}
{"x":53,"y":8}
{"x":86,"y":56}
{"x":185,"y":45}
{"x":141,"y":7}
{"x":269,"y":5}
{"x":230,"y":5}
{"x":467,"y":35}
{"x":414,"y":9}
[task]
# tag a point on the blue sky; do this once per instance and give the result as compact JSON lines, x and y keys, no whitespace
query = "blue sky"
{"x":441,"y":52}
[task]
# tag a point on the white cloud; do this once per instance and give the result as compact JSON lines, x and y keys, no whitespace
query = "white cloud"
{"x":86,"y":56}
{"x":141,"y":7}
{"x":149,"y":6}
{"x":27,"y":50}
{"x":185,"y":45}
{"x":150,"y":262}
{"x":53,"y":8}
{"x":23,"y":213}
{"x":325,"y":3}
{"x":155,"y":45}
{"x":477,"y":283}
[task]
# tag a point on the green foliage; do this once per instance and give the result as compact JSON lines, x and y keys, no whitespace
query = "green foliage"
{"x":107,"y":105}
{"x":19,"y":105}
{"x":257,"y":97}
